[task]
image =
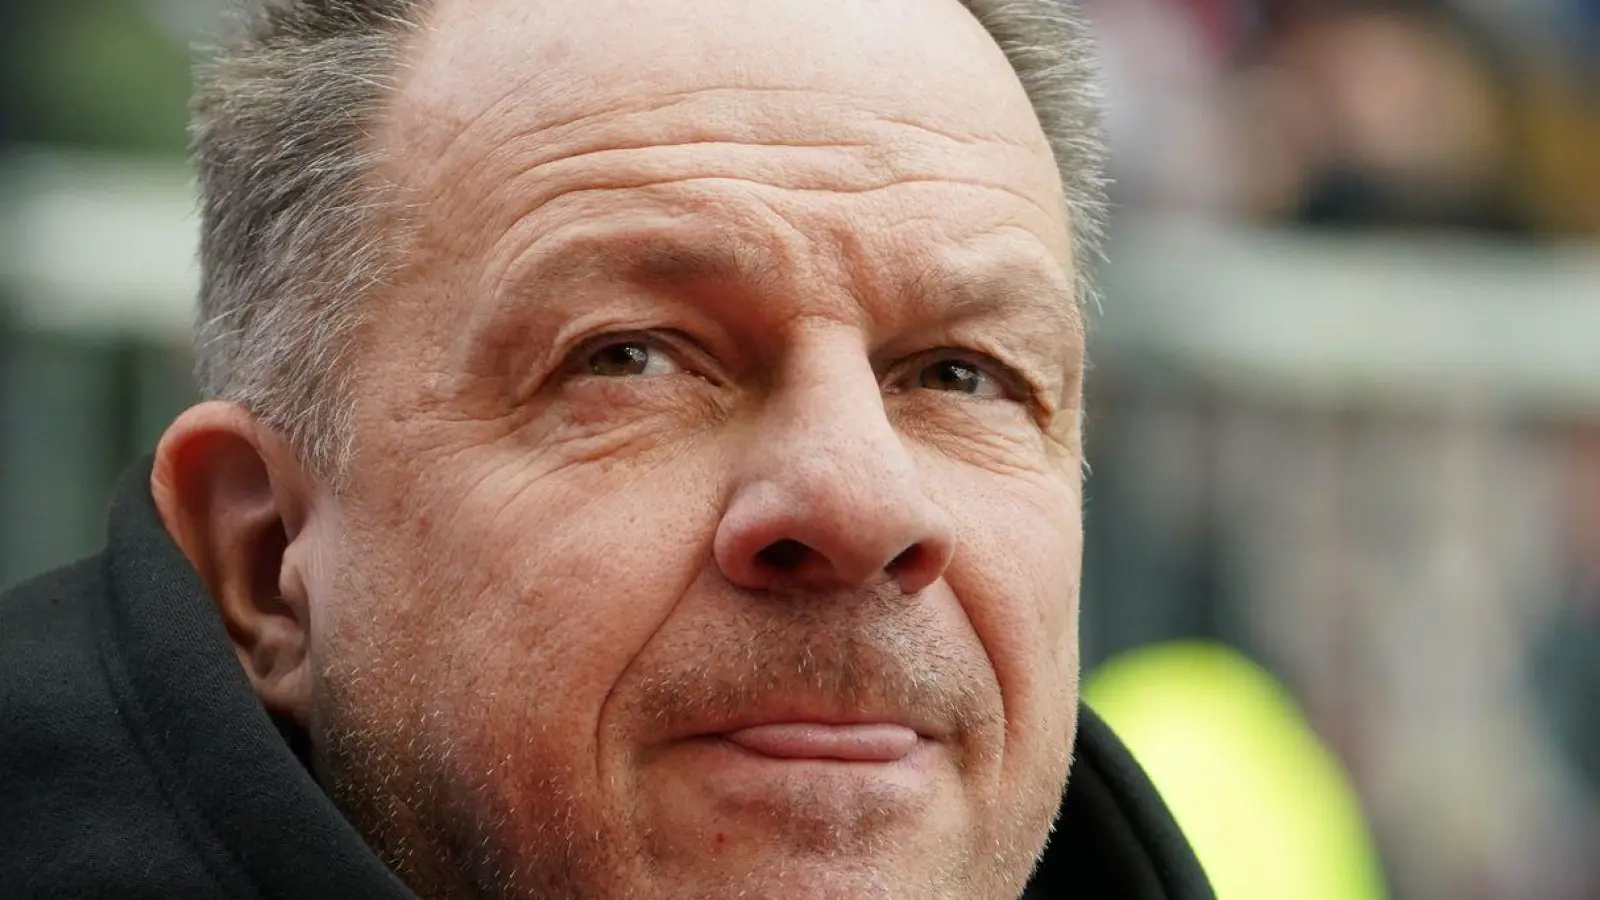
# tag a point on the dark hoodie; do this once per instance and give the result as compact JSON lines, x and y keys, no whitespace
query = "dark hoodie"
{"x":136,"y":763}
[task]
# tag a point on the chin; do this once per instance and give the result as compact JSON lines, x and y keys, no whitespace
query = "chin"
{"x":813,"y":879}
{"x":894,"y":864}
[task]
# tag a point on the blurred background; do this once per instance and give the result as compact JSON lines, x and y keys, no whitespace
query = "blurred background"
{"x":1345,"y":412}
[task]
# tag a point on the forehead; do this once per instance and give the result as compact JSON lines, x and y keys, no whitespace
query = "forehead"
{"x":662,"y":47}
{"x":880,"y":147}
{"x":883,"y":76}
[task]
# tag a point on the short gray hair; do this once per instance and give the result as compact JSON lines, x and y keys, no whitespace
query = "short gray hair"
{"x":296,"y":229}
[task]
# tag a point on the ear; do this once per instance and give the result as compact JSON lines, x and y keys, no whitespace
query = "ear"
{"x":236,"y":499}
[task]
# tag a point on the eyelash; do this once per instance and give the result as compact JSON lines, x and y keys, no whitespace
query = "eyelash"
{"x":1012,"y":385}
{"x":687,"y":352}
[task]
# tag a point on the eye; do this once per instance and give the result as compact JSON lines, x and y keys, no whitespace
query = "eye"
{"x":628,"y":358}
{"x":961,"y":376}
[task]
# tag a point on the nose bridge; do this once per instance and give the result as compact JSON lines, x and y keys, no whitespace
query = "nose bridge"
{"x":831,"y":435}
{"x":832,"y":495}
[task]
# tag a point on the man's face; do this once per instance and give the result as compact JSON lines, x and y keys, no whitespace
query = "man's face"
{"x":715,"y":525}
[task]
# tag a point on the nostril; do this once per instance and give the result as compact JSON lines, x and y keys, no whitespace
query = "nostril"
{"x":908,"y":558}
{"x":783,"y":555}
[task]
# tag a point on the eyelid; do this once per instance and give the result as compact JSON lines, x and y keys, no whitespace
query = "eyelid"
{"x":1016,"y":387}
{"x":687,"y":352}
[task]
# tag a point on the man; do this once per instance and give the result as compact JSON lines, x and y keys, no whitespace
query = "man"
{"x":643,"y":462}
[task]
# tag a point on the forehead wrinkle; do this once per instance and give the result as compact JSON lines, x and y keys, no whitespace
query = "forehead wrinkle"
{"x":574,"y":188}
{"x":609,"y":123}
{"x":635,"y":124}
{"x":882,"y":144}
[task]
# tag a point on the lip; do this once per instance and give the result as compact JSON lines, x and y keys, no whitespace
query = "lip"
{"x":805,"y":731}
{"x":875,"y":742}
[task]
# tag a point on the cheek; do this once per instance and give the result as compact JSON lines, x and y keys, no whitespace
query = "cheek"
{"x":1016,"y":572}
{"x":497,"y":605}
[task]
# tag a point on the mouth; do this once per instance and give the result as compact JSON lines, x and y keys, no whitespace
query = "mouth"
{"x":863,"y":742}
{"x":800,"y":763}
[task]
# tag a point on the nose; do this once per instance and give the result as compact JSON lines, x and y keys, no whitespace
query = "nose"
{"x":831,"y":498}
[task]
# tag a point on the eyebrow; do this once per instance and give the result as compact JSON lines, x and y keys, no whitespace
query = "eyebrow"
{"x":659,"y":260}
{"x":1012,"y":288}
{"x":941,"y":292}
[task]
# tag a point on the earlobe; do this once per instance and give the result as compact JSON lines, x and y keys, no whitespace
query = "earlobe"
{"x":235,"y":499}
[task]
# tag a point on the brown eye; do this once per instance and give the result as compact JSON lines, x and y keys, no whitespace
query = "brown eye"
{"x":618,"y":360}
{"x":629,"y":359}
{"x":959,"y":376}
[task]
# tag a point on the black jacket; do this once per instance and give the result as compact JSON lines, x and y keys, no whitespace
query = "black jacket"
{"x":136,"y":763}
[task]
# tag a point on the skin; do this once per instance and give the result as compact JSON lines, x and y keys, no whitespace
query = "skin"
{"x":733,"y":379}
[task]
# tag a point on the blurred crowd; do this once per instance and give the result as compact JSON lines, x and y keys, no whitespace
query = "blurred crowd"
{"x":1478,"y":114}
{"x":1426,"y":580}
{"x":1474,"y":114}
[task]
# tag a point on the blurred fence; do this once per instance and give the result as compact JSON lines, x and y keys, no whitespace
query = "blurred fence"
{"x":1362,"y":459}
{"x":96,"y":293}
